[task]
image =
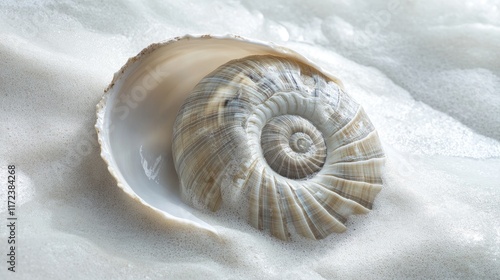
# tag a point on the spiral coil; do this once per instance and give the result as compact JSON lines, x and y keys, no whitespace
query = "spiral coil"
{"x":301,"y":154}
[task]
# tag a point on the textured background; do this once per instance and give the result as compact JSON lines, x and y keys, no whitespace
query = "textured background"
{"x":428,"y":75}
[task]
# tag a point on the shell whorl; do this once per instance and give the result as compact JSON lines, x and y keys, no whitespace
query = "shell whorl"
{"x":292,"y":146}
{"x":279,"y":135}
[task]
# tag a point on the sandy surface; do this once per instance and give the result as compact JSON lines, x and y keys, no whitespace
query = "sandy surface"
{"x":427,"y":74}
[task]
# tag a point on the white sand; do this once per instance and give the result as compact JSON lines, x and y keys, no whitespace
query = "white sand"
{"x":427,"y":74}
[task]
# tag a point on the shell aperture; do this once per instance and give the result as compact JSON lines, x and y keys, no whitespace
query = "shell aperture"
{"x":298,"y":151}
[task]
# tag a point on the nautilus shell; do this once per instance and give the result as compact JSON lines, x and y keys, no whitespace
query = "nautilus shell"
{"x":225,"y":122}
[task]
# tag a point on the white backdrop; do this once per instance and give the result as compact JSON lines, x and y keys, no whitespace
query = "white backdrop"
{"x":427,"y":74}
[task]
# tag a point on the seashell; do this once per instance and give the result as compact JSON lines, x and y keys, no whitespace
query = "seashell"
{"x":251,"y":127}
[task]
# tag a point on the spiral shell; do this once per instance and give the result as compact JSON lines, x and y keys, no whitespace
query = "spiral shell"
{"x":246,"y":126}
{"x":282,"y":137}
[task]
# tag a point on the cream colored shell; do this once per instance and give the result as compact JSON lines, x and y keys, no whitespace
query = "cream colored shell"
{"x":294,"y":148}
{"x":328,"y":159}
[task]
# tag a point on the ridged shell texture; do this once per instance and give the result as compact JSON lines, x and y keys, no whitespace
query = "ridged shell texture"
{"x":281,"y":139}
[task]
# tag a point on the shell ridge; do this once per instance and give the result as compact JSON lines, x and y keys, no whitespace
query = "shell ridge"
{"x":335,"y":220}
{"x":342,"y":114}
{"x":282,"y":207}
{"x":340,"y":206}
{"x":360,"y":192}
{"x":358,"y":150}
{"x":254,"y":200}
{"x":297,"y":217}
{"x":360,"y":119}
{"x":319,"y":220}
{"x":264,"y":222}
{"x":276,"y":225}
{"x":358,"y":170}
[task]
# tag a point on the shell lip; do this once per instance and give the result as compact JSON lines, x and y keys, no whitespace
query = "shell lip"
{"x":154,"y":46}
{"x":105,"y":155}
{"x":102,"y":127}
